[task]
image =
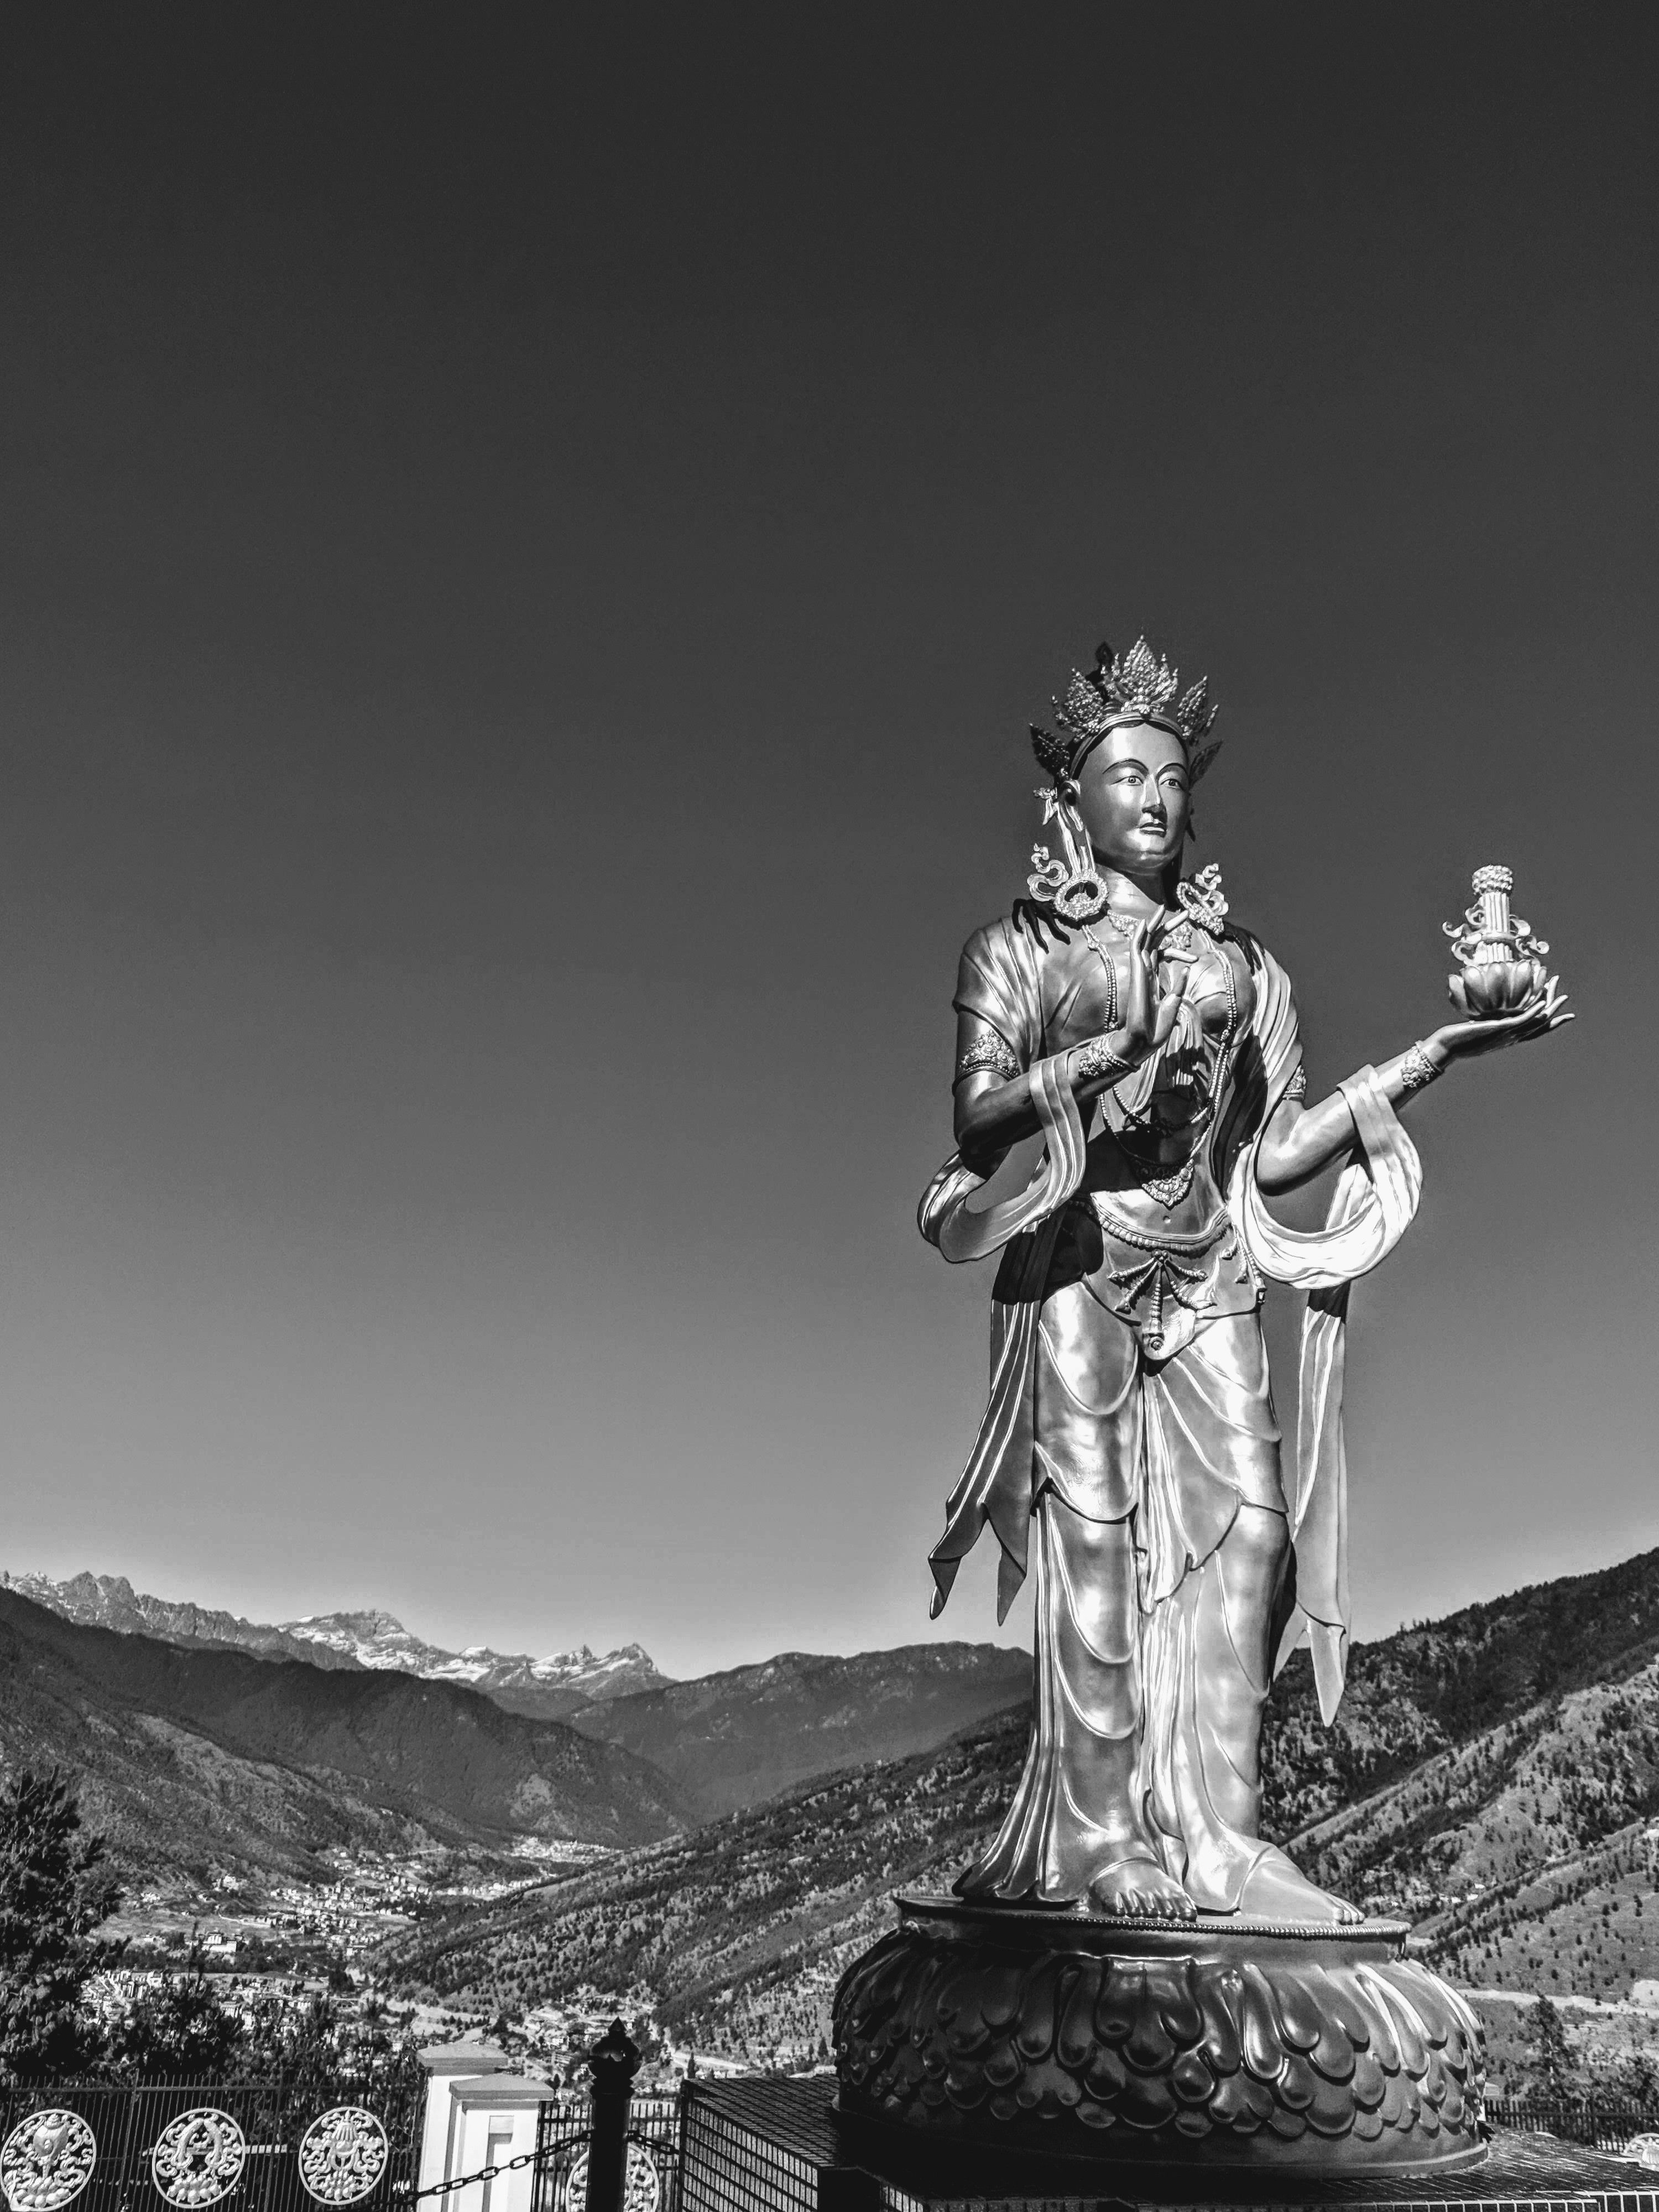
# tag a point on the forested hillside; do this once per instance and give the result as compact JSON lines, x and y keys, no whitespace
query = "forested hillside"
{"x":1425,"y":1688}
{"x":735,"y":1738}
{"x":1489,"y":1775}
{"x":747,"y":1919}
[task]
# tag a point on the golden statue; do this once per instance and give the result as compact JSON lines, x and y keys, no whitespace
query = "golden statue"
{"x":1131,"y":1439}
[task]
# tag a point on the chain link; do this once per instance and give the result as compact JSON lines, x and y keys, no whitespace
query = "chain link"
{"x":548,"y":2154}
{"x":407,"y":2196}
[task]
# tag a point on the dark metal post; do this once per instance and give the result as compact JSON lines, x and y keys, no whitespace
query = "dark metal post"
{"x":613,"y":2061}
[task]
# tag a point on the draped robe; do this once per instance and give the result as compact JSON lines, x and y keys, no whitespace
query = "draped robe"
{"x":1133,"y":1469}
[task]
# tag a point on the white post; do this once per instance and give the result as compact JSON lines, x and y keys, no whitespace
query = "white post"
{"x":479,"y":2113}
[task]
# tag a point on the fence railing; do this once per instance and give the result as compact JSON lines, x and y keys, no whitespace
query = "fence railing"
{"x":564,"y":2134}
{"x":128,"y":2123}
{"x":1592,"y":2124}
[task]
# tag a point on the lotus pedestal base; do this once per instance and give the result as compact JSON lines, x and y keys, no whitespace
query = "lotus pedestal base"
{"x":1224,"y":2044}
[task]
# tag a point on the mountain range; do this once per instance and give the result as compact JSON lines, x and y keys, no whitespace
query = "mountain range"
{"x":196,"y":1758}
{"x":546,"y":1689}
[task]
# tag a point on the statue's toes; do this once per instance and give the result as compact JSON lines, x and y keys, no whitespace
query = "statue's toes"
{"x":1140,"y":1888}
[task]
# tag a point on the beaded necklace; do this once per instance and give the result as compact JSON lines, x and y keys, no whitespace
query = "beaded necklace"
{"x":1169,"y":1190}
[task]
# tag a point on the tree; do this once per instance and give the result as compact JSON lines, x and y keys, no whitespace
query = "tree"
{"x":1554,"y":2061}
{"x":179,"y":2031}
{"x":324,"y":2060}
{"x":54,"y":1893}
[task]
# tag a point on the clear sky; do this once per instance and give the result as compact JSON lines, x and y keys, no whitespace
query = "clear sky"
{"x":530,"y":541}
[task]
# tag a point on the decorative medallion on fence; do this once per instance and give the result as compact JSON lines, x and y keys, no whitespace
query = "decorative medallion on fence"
{"x":47,"y":2160}
{"x":641,"y":2190}
{"x":343,"y":2154}
{"x":198,"y":2158}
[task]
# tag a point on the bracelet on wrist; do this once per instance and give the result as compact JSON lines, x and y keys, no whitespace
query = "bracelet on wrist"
{"x":1416,"y":1069}
{"x":1096,"y":1058}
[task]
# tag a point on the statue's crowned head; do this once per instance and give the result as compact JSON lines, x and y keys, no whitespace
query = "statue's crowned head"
{"x":1136,"y":686}
{"x":1123,"y":774}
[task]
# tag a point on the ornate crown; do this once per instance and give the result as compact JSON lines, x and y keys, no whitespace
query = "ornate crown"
{"x":1136,"y":686}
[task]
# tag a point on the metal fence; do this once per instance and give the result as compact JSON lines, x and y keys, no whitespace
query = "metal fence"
{"x":654,"y":2155}
{"x":128,"y":2123}
{"x":1591,"y":2124}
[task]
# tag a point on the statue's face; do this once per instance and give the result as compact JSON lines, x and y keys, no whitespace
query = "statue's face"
{"x":1133,"y":795}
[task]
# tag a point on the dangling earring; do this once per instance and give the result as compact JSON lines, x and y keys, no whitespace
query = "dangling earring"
{"x":1074,"y":887}
{"x":1203,"y":900}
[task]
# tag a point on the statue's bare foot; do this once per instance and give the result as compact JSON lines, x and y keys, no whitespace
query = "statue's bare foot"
{"x":1141,"y":1886}
{"x":1277,"y":1889}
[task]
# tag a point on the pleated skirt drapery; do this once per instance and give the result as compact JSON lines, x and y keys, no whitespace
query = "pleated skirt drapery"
{"x":1160,"y":1544}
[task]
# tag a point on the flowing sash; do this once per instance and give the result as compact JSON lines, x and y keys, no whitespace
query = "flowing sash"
{"x":995,"y":1486}
{"x":1375,"y":1200}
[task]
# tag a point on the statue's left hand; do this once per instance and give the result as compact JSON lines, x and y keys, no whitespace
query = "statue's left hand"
{"x":1468,"y":1040}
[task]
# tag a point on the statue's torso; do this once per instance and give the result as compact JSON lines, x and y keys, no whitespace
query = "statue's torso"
{"x":1149,"y":1226}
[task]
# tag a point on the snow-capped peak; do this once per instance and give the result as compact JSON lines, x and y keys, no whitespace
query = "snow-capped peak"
{"x":557,"y":1683}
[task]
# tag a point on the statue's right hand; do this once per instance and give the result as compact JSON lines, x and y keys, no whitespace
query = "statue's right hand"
{"x":1148,"y":1014}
